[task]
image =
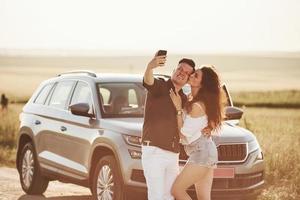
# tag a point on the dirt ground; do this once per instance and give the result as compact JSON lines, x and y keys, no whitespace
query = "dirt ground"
{"x":10,"y":189}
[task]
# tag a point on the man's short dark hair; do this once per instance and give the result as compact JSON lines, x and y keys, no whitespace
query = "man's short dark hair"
{"x":188,"y":61}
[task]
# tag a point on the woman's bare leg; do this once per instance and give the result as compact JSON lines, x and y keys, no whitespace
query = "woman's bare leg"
{"x":191,"y":174}
{"x":203,"y":186}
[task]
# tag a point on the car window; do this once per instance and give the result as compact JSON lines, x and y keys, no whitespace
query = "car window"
{"x":82,"y":94}
{"x":61,"y":94}
{"x":122,"y":99}
{"x":105,"y":95}
{"x":226,"y":96}
{"x":41,"y":98}
{"x":132,"y":98}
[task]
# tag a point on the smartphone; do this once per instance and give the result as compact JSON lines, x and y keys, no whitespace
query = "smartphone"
{"x":162,"y":53}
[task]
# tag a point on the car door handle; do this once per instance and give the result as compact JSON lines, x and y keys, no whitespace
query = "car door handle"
{"x":37,"y":122}
{"x":62,"y":128}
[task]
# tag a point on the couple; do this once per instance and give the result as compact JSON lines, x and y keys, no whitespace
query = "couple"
{"x":172,"y":118}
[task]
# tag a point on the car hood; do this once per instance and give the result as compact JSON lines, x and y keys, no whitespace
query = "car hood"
{"x":229,"y":133}
{"x":131,"y":126}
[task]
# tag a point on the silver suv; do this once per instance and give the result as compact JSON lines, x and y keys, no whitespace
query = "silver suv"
{"x":84,"y":128}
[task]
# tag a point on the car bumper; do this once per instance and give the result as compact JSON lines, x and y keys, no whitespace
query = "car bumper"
{"x":248,"y":179}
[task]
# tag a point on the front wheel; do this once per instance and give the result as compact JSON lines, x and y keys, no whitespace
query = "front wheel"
{"x":107,"y":180}
{"x":30,"y":176}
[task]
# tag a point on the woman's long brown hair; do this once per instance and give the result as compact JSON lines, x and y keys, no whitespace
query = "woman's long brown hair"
{"x":210,"y":94}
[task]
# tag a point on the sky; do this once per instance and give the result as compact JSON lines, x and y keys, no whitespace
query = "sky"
{"x":144,"y":26}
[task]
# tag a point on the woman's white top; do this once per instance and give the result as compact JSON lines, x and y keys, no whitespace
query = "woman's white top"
{"x":192,"y":127}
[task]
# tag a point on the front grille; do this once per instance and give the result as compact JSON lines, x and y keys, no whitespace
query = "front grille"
{"x":232,"y":152}
{"x":226,"y":153}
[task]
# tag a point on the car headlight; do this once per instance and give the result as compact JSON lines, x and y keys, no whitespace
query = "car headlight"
{"x":260,"y":156}
{"x":132,"y":140}
{"x":253,"y":145}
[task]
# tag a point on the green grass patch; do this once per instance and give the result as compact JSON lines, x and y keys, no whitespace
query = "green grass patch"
{"x":271,"y":99}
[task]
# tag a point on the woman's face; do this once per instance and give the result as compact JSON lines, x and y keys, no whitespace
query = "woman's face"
{"x":196,"y":78}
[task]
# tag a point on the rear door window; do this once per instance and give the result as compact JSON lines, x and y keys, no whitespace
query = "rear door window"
{"x":43,"y":94}
{"x":61,"y":94}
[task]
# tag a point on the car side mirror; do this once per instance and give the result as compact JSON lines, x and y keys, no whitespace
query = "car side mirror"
{"x":232,"y":112}
{"x":81,"y":109}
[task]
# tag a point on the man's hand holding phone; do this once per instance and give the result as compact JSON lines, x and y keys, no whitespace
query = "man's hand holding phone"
{"x":159,"y":59}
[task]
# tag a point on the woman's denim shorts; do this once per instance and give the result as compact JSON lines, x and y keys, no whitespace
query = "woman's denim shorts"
{"x":202,"y":151}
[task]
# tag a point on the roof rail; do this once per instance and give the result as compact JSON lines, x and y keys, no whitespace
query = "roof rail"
{"x":163,"y":75}
{"x":90,"y":73}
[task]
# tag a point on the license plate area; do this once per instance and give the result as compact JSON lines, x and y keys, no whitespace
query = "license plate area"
{"x":224,"y":172}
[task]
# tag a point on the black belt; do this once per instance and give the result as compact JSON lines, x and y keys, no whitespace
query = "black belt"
{"x":146,"y":143}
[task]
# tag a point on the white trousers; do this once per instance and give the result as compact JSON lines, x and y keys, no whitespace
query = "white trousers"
{"x":161,"y":167}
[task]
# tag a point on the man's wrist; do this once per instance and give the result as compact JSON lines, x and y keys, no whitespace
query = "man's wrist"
{"x":179,"y":112}
{"x":149,"y":68}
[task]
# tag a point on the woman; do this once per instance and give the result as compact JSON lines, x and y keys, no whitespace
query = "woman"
{"x":203,"y":110}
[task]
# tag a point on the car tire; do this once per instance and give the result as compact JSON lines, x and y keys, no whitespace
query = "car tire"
{"x":31,"y":179}
{"x":107,"y":180}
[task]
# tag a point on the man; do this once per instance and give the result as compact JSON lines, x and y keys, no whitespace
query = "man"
{"x":160,"y":139}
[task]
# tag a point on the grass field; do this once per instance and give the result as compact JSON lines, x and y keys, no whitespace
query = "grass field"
{"x":277,"y":130}
{"x":9,"y":125}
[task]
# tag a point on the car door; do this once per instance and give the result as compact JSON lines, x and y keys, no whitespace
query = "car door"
{"x":49,"y":140}
{"x":78,"y":134}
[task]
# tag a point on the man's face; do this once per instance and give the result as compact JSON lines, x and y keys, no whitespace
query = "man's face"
{"x":181,"y":74}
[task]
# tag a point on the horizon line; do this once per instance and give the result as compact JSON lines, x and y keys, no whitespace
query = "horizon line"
{"x":129,"y":53}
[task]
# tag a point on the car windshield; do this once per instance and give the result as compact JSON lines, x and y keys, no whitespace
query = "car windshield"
{"x":127,"y":99}
{"x":122,"y":99}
